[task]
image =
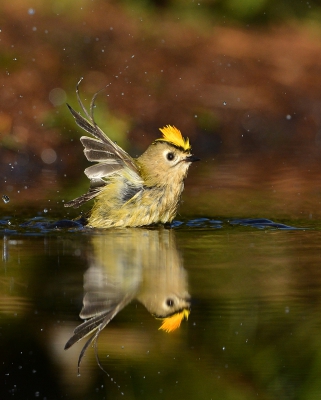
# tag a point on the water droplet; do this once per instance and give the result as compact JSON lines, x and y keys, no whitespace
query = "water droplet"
{"x":224,"y":103}
{"x":45,"y":210}
{"x":48,"y":156}
{"x":5,"y":198}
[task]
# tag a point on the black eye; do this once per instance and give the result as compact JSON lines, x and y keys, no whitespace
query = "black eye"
{"x":170,"y":302}
{"x":170,"y":156}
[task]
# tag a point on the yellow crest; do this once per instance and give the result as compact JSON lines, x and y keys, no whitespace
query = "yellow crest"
{"x":174,"y":136}
{"x":173,"y":322}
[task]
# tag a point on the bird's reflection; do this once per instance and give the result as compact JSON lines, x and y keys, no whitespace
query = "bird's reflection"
{"x":128,"y":264}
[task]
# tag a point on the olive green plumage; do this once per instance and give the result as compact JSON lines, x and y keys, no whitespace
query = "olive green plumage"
{"x":132,"y":192}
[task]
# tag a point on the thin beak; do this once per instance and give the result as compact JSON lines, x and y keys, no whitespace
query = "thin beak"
{"x":191,"y":158}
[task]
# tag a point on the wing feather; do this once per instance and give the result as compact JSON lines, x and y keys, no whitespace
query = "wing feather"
{"x":77,"y":202}
{"x":112,"y":147}
{"x":95,"y":150}
{"x":98,"y":320}
{"x":109,"y":156}
{"x":102,"y":170}
{"x":97,"y":155}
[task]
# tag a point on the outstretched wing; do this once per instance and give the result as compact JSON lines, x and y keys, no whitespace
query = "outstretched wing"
{"x":103,"y":300}
{"x":109,"y":157}
{"x":95,"y":324}
{"x":98,"y":321}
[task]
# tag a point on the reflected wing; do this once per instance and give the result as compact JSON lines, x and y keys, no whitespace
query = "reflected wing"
{"x":100,"y":313}
{"x":101,"y":149}
{"x":98,"y":321}
{"x":104,"y":299}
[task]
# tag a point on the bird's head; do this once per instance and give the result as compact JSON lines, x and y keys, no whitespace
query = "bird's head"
{"x":167,"y":159}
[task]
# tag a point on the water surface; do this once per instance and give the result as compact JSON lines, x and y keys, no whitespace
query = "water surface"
{"x":253,"y":330}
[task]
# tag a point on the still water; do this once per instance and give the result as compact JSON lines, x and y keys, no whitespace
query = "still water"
{"x":254,"y":330}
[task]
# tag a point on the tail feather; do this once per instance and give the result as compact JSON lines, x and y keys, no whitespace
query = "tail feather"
{"x":82,"y":199}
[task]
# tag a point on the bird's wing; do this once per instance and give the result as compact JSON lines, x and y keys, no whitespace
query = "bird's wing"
{"x":95,"y":324}
{"x":98,"y":320}
{"x":104,"y":297}
{"x":109,"y":156}
{"x":103,"y":300}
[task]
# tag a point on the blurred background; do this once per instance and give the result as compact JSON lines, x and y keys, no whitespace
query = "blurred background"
{"x":240,"y":79}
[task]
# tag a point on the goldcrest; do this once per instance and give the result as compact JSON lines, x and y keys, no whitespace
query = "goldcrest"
{"x":131,"y":192}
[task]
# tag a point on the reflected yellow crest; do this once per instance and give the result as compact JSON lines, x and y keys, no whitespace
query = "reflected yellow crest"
{"x":174,"y":136}
{"x":174,"y":322}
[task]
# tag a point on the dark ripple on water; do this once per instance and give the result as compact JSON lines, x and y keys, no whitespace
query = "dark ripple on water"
{"x":38,"y":226}
{"x":41,"y":225}
{"x":259,"y":223}
{"x":262,"y":223}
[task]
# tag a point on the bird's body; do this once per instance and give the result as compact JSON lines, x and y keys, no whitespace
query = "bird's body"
{"x":147,"y":206}
{"x":128,"y":200}
{"x":132,"y":192}
{"x":128,"y":265}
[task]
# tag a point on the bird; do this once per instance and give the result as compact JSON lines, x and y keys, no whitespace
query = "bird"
{"x":128,"y":265}
{"x":131,"y":192}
